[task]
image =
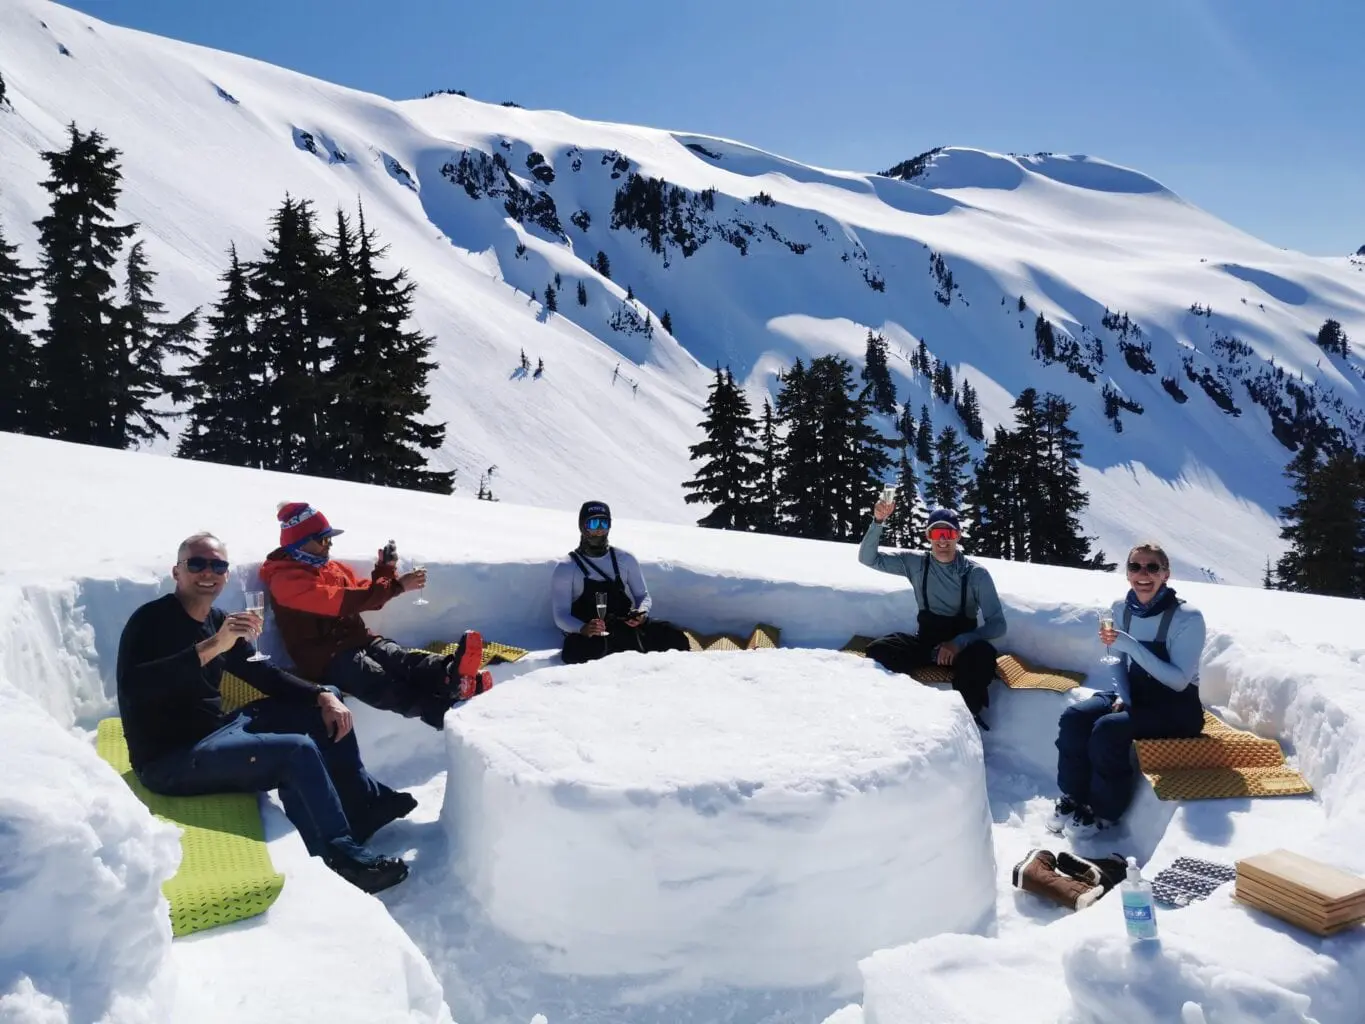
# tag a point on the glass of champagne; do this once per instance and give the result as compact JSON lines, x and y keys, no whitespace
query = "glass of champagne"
{"x":888,"y":492}
{"x":255,"y":603}
{"x":602,"y":611}
{"x":1107,"y":622}
{"x":421,"y":594}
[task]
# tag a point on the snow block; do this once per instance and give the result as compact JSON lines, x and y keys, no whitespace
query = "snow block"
{"x":722,"y":820}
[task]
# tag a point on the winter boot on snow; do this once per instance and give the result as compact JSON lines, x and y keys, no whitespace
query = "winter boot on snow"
{"x":1037,"y":873}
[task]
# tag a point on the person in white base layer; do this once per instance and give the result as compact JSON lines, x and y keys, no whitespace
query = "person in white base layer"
{"x":596,"y":568}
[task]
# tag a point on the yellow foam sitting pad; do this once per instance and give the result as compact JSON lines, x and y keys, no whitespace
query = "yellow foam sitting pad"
{"x":1220,"y":763}
{"x":1018,"y":675}
{"x":225,"y":871}
{"x":493,"y":652}
{"x":761,"y":637}
{"x":1012,"y":670}
{"x":235,"y":692}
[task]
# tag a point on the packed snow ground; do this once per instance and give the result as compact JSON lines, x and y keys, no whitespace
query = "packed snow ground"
{"x":211,"y":142}
{"x":90,"y":534}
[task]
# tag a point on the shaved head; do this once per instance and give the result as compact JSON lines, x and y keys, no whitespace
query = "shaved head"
{"x":188,"y":545}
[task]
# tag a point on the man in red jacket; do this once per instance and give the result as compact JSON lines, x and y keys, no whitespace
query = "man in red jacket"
{"x":317,"y":605}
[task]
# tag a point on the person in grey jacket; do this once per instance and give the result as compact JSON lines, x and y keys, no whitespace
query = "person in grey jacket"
{"x":1156,"y":695}
{"x":951,"y":591}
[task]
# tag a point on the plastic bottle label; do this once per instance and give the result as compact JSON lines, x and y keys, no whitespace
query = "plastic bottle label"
{"x":1140,"y":912}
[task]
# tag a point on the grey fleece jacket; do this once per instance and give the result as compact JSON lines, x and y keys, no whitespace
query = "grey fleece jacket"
{"x":945,"y":584}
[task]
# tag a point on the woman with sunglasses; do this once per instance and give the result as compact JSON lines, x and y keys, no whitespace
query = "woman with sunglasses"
{"x":1160,"y":642}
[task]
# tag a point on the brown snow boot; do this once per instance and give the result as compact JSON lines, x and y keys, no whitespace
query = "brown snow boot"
{"x":1037,"y":873}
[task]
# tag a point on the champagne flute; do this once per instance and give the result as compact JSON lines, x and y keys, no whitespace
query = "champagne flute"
{"x":421,"y":599}
{"x":602,"y":611}
{"x":255,"y":603}
{"x":1107,"y":622}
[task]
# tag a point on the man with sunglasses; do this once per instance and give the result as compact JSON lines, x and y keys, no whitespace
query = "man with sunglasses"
{"x":317,"y":604}
{"x":1156,"y":696}
{"x":171,"y":659}
{"x":950,"y":591}
{"x":596,"y":569}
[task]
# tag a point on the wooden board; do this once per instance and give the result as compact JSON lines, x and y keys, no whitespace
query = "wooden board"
{"x":1255,"y":892}
{"x":1295,"y":918}
{"x":1317,"y":883}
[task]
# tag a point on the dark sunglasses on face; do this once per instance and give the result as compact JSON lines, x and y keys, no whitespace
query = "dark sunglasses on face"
{"x":598,"y":523}
{"x":1151,"y":567}
{"x":943,"y":533}
{"x":199,"y":564}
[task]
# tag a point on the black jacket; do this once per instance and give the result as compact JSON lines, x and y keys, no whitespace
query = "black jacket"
{"x":167,"y":699}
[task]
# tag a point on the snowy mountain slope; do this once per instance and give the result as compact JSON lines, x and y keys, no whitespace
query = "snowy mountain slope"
{"x":758,"y":259}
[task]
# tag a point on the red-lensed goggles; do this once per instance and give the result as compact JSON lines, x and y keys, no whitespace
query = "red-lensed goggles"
{"x":943,"y":533}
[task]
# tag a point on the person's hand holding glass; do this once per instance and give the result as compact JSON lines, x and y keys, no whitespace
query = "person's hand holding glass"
{"x":255,"y":604}
{"x":885,"y":504}
{"x":1107,"y":636}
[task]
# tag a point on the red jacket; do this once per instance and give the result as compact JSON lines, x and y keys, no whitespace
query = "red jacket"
{"x":318,"y":610}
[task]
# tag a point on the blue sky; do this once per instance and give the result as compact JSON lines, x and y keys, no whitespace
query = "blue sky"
{"x":1245,"y":107}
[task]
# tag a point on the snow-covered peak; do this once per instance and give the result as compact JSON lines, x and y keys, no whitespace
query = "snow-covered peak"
{"x":1202,"y":329}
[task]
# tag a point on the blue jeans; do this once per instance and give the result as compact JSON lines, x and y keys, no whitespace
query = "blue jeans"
{"x":275,"y":744}
{"x":1094,"y":761}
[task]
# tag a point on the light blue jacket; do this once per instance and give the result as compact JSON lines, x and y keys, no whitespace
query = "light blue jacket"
{"x":1184,"y":644}
{"x":945,"y":584}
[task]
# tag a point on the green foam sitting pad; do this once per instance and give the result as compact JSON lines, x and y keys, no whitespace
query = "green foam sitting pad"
{"x":225,"y":871}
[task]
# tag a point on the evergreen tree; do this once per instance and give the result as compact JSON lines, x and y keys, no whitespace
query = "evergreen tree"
{"x":946,"y":476}
{"x":996,"y":496}
{"x":18,"y":357}
{"x":877,"y":374}
{"x":294,"y":312}
{"x":969,"y":410}
{"x":1059,"y":540}
{"x":1331,"y":338}
{"x":380,"y":380}
{"x":1268,"y":581}
{"x":922,"y":364}
{"x":666,"y":322}
{"x":77,"y":375}
{"x":729,"y":456}
{"x":582,"y":294}
{"x":143,"y":345}
{"x":924,"y":437}
{"x":1026,"y":494}
{"x":630,"y":293}
{"x":551,"y":300}
{"x":2,"y":90}
{"x":906,"y":523}
{"x":797,"y":501}
{"x":602,"y":265}
{"x":765,"y":514}
{"x":230,"y":407}
{"x":833,"y":458}
{"x":943,"y":381}
{"x":1325,"y":524}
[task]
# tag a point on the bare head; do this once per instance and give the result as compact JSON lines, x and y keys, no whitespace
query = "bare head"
{"x":1148,"y":570}
{"x":201,"y":568}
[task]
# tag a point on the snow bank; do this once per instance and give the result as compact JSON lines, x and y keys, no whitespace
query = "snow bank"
{"x":751,"y":820}
{"x":84,"y":930}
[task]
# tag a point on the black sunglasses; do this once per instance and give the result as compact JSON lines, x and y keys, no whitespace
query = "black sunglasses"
{"x":1151,"y":567}
{"x":199,"y":564}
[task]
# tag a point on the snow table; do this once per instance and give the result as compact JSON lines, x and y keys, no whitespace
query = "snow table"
{"x":225,"y":871}
{"x":1011,"y":669}
{"x":1220,"y":763}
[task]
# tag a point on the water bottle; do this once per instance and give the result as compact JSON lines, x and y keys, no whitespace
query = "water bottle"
{"x":1139,"y":913}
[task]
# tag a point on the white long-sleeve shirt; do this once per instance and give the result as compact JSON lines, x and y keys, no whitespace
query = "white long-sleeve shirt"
{"x":566,"y":585}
